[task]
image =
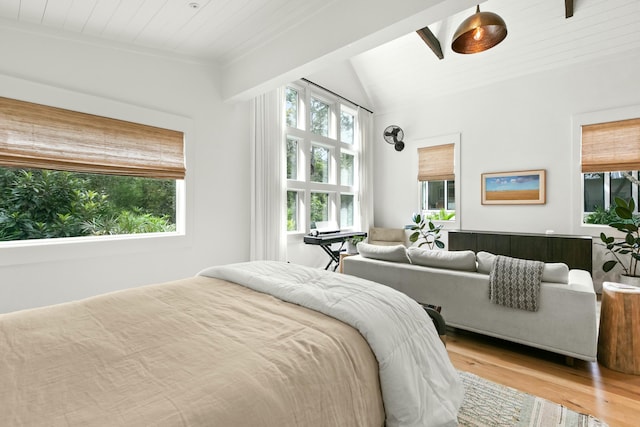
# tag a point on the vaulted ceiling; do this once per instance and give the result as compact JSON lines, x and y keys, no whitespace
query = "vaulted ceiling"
{"x":395,"y":67}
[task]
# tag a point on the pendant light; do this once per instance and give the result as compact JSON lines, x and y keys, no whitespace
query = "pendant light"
{"x":479,"y":32}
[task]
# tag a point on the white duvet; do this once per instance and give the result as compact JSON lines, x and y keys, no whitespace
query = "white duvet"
{"x":419,"y":385}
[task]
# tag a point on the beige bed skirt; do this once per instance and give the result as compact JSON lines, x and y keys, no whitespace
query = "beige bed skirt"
{"x":194,"y":352}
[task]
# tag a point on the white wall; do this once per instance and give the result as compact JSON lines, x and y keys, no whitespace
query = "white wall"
{"x":217,"y":160}
{"x":521,"y":124}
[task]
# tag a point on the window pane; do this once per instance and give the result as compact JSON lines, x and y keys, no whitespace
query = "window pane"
{"x":292,"y":210}
{"x":346,"y":127}
{"x":319,"y":164}
{"x":346,"y":210}
{"x":423,"y":195}
{"x":436,"y":195}
{"x":319,"y":208}
{"x":619,"y":187}
{"x":451,"y":195}
{"x":292,"y":158}
{"x":291,"y":108}
{"x":593,"y":191}
{"x":44,"y":204}
{"x":346,"y":169}
{"x":319,"y":117}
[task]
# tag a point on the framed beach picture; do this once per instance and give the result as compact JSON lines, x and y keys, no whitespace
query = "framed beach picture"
{"x":514,"y":188}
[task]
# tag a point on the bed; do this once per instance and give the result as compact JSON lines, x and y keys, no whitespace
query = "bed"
{"x":249,"y":344}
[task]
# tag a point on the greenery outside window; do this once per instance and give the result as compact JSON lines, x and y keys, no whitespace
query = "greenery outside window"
{"x":319,"y":117}
{"x":292,"y":158}
{"x":322,"y":154}
{"x":319,"y":208}
{"x":291,"y":107}
{"x":292,"y":210}
{"x":319,"y":164}
{"x":70,"y":174}
{"x":599,"y":192}
{"x":610,"y":158}
{"x":347,"y":121}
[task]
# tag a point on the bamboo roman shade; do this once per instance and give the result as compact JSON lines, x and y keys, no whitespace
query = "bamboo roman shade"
{"x":436,"y":163}
{"x":39,"y":136}
{"x":612,"y":146}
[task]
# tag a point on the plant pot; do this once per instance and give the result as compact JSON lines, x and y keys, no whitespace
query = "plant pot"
{"x":630,"y":280}
{"x":351,"y":248}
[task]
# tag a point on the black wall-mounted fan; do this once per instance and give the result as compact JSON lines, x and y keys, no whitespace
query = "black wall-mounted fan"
{"x":394,"y":135}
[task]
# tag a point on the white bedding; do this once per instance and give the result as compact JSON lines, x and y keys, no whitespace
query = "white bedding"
{"x":419,"y":385}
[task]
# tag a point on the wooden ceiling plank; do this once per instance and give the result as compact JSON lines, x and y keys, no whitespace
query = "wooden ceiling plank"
{"x":568,"y":8}
{"x":431,"y":41}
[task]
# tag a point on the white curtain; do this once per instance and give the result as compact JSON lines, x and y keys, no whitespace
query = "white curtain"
{"x":365,"y":134}
{"x":268,"y":189}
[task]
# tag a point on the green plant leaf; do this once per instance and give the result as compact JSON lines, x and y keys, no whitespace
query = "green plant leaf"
{"x":619,"y":201}
{"x":606,"y":239}
{"x":414,"y":237}
{"x":629,"y":239}
{"x":624,"y":212}
{"x":632,"y":205}
{"x":608,"y":266}
{"x":439,"y":244}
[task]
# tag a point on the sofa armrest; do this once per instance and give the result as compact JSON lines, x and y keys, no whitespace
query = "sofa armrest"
{"x":580,"y":280}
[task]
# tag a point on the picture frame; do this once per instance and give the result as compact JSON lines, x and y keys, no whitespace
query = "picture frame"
{"x":514,"y":188}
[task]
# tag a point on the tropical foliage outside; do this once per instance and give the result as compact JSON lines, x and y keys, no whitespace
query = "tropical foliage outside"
{"x":44,"y":204}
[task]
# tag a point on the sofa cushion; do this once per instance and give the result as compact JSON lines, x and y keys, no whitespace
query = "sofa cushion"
{"x":397,"y":253}
{"x":485,"y":262}
{"x":452,"y":260}
{"x":553,"y":272}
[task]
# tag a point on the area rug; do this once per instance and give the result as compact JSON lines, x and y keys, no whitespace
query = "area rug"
{"x":487,"y":404}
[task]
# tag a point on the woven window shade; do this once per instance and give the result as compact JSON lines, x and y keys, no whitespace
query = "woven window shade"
{"x":39,"y":136}
{"x":612,"y":146}
{"x":436,"y":163}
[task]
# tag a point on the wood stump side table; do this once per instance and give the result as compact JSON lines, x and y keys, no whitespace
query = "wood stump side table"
{"x":619,"y":335}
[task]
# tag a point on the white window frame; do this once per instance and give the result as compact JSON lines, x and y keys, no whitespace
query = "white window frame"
{"x":454,"y":139}
{"x":577,"y":182}
{"x":333,"y":142}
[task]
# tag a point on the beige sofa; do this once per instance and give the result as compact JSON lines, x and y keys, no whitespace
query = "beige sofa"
{"x":565,"y":323}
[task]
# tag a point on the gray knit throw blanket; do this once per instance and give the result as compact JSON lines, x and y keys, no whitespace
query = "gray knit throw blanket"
{"x":515,"y":282}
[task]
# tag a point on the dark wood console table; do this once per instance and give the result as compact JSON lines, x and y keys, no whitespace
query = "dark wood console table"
{"x":575,"y":251}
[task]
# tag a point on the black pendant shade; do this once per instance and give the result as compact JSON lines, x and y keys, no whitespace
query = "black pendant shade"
{"x":479,"y":32}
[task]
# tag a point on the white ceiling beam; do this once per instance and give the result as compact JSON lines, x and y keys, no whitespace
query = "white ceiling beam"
{"x":335,"y":33}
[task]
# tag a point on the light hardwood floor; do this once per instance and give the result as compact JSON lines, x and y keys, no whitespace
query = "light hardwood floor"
{"x":585,"y":387}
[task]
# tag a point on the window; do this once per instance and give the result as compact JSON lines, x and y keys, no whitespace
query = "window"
{"x":70,"y":174}
{"x":319,"y":164}
{"x":292,"y":158}
{"x":610,"y":157}
{"x":292,"y":210}
{"x":436,"y":173}
{"x":319,"y":117}
{"x":346,"y":127}
{"x":322,"y":159}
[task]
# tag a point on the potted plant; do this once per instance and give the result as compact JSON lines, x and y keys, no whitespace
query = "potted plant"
{"x":425,"y":229}
{"x":626,"y":252}
{"x":352,"y":243}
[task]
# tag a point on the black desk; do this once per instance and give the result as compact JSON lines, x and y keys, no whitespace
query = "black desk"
{"x":325,"y":241}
